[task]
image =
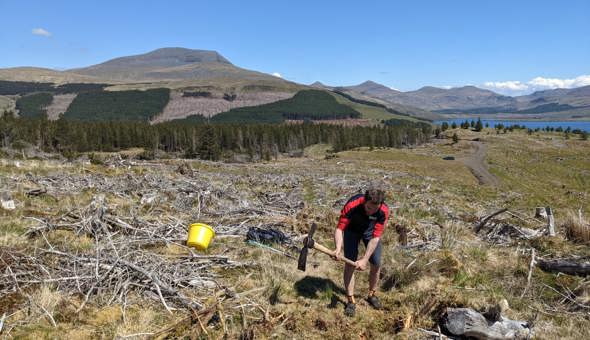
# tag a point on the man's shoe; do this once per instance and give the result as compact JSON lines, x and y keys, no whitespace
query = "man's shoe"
{"x":374,"y":302}
{"x":349,"y":309}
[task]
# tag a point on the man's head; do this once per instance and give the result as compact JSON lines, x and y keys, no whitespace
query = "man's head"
{"x":374,"y":196}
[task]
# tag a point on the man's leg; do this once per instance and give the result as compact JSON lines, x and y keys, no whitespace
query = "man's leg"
{"x":374,"y":278}
{"x":375,"y":261}
{"x":351,"y":243}
{"x":349,"y":280}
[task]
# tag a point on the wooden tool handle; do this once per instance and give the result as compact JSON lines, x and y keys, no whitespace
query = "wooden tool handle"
{"x":331,"y":253}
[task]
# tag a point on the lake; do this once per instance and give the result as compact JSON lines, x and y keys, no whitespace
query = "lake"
{"x":531,"y":124}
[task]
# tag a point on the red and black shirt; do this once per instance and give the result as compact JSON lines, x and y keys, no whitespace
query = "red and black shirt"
{"x":354,"y":218}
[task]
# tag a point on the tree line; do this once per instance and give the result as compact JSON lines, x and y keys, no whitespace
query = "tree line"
{"x":198,"y":140}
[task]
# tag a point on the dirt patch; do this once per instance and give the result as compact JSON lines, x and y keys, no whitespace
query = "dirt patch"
{"x":59,"y":105}
{"x":181,"y":107}
{"x":476,"y":164}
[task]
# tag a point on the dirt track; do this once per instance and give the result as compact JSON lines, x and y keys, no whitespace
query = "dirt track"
{"x":476,"y":163}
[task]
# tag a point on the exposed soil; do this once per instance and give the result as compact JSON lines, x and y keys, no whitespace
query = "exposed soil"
{"x":476,"y":163}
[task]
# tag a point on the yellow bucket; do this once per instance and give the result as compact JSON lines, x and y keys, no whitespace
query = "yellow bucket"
{"x":199,"y":236}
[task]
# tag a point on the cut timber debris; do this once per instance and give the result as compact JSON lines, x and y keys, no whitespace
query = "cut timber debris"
{"x":469,"y":323}
{"x":496,"y":230}
{"x":571,"y":266}
{"x":485,"y":220}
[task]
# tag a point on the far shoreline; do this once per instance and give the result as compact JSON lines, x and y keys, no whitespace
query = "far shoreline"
{"x":496,"y":116}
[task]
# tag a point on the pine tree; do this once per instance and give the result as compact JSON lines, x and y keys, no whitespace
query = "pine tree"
{"x":478,"y":125}
{"x":209,"y":148}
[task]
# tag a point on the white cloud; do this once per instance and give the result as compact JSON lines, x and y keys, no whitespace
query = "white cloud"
{"x":41,"y":31}
{"x":515,"y":87}
{"x":553,"y":83}
{"x":277,"y":74}
{"x":393,"y":88}
{"x":511,"y":85}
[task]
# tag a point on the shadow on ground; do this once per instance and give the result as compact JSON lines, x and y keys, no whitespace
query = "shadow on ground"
{"x":320,"y":288}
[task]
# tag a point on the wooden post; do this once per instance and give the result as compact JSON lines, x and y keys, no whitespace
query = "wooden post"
{"x":550,"y":222}
{"x":540,"y":212}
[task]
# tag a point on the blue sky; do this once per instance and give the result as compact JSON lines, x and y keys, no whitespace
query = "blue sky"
{"x":509,"y":46}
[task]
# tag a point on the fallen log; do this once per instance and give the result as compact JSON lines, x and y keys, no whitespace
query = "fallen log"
{"x":485,"y":220}
{"x":36,"y":192}
{"x":469,"y":323}
{"x":571,"y":266}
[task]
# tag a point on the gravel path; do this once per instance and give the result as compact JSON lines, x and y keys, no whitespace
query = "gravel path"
{"x":476,"y":163}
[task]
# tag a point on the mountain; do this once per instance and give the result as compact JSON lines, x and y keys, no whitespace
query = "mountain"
{"x":173,"y":83}
{"x":370,"y":91}
{"x":320,"y":85}
{"x":373,"y":88}
{"x":42,"y":75}
{"x":166,"y":64}
{"x":437,"y":99}
{"x":184,"y":66}
{"x":576,"y":97}
{"x":474,"y":100}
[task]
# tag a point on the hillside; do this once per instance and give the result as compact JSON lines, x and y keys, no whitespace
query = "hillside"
{"x":306,"y":104}
{"x":576,"y":97}
{"x":44,"y":75}
{"x":564,"y":103}
{"x":436,"y":99}
{"x":129,"y":218}
{"x":252,"y":103}
{"x":167,"y":64}
{"x":370,"y":91}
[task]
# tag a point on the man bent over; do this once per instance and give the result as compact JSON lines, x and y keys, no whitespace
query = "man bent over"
{"x":363,"y":217}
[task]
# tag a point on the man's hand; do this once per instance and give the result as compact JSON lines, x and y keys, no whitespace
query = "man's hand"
{"x":361,"y":264}
{"x":337,"y":255}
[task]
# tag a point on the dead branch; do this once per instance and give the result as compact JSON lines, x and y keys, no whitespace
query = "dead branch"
{"x":571,"y":266}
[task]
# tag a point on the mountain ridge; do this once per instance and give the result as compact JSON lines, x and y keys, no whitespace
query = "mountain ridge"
{"x":469,"y":98}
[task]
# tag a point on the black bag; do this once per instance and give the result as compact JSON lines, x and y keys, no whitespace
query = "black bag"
{"x":267,"y":236}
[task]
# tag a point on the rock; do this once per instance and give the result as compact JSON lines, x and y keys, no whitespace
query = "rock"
{"x":6,"y":201}
{"x":469,"y":323}
{"x":148,"y":198}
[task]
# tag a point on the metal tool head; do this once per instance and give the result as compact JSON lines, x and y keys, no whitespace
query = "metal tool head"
{"x":308,"y":242}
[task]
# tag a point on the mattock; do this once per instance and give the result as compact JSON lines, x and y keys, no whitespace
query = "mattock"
{"x":309,"y":242}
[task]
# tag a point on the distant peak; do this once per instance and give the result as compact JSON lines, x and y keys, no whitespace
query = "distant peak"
{"x":370,"y":82}
{"x":187,"y":54}
{"x":429,"y":88}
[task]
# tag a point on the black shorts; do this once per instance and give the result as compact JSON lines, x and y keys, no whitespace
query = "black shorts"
{"x":351,"y":247}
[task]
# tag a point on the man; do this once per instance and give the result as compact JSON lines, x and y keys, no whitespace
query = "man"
{"x":363,"y":217}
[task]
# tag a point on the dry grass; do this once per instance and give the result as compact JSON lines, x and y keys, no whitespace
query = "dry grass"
{"x":576,"y":228}
{"x":418,"y":284}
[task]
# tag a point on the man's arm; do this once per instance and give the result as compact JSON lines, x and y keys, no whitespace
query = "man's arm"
{"x":338,"y":242}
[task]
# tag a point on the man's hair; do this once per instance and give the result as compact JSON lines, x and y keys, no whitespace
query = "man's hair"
{"x":375,"y":193}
